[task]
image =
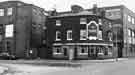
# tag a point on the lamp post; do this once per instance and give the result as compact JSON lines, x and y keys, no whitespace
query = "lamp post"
{"x":116,"y":47}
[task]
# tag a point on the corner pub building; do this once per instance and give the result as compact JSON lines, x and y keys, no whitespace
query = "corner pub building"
{"x":80,"y":34}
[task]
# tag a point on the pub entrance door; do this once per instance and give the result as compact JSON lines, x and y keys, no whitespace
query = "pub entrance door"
{"x":92,"y":52}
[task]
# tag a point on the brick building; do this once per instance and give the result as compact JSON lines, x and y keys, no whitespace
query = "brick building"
{"x":21,"y":28}
{"x":124,"y":29}
{"x":64,"y":25}
{"x":80,"y":34}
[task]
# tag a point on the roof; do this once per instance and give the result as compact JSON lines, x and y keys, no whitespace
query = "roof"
{"x":85,"y":12}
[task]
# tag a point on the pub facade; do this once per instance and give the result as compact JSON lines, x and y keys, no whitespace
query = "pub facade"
{"x":80,"y":35}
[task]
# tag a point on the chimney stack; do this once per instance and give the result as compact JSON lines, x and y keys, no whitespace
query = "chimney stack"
{"x":95,"y":9}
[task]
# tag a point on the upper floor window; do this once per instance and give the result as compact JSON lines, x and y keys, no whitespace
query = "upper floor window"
{"x":1,"y":12}
{"x":129,"y":18}
{"x":100,"y":35}
{"x":9,"y":31}
{"x":99,"y":21}
{"x":83,"y":21}
{"x":83,"y":35}
{"x":9,"y":11}
{"x":69,"y":35}
{"x":133,"y":34}
{"x":58,"y":23}
{"x":110,"y":35}
{"x":58,"y":36}
{"x":129,"y":32}
{"x":133,"y":21}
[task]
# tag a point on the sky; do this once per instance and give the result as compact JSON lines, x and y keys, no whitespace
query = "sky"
{"x":64,"y":5}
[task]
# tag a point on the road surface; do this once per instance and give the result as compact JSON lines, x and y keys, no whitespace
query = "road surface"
{"x":125,"y":67}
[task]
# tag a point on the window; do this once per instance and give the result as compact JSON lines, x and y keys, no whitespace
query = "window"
{"x":133,"y":21}
{"x":129,"y":32}
{"x":133,"y":34}
{"x":83,"y":35}
{"x":100,"y":35}
{"x":83,"y":21}
{"x":57,"y":50}
{"x":9,"y":11}
{"x":83,"y":50}
{"x":129,"y":18}
{"x":1,"y":12}
{"x":110,"y":36}
{"x":58,"y":23}
{"x":69,"y":35}
{"x":129,"y":40}
{"x":58,"y":36}
{"x":9,"y":31}
{"x":99,"y":21}
{"x":110,"y":25}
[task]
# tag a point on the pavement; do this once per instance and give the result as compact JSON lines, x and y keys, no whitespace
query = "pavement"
{"x":62,"y":67}
{"x":64,"y":63}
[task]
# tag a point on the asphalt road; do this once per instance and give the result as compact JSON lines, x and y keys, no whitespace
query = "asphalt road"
{"x":113,"y":68}
{"x":125,"y":67}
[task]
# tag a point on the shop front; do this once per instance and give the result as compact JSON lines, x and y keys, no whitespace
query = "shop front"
{"x":82,"y":51}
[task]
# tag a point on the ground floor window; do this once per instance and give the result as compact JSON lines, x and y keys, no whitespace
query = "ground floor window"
{"x":57,"y":50}
{"x":83,"y":50}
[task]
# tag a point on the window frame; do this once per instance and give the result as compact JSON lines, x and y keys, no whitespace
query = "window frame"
{"x":2,"y":12}
{"x":58,"y":33}
{"x":82,"y":32}
{"x":68,"y":35}
{"x":9,"y":11}
{"x":83,"y":20}
{"x":129,"y":18}
{"x":58,"y":22}
{"x":133,"y":20}
{"x":55,"y":50}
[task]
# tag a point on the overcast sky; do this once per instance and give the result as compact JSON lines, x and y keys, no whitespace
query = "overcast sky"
{"x":64,"y":5}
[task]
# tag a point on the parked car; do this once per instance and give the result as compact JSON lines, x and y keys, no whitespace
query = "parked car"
{"x":6,"y":55}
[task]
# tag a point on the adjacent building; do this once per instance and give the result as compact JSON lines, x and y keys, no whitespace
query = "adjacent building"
{"x":21,"y":29}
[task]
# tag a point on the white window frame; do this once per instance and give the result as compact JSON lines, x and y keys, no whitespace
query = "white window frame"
{"x":133,"y":20}
{"x":129,"y":32}
{"x":100,"y":34}
{"x":83,"y":21}
{"x":9,"y":31}
{"x":10,"y":11}
{"x":130,"y":40}
{"x":85,"y":52}
{"x":133,"y":34}
{"x":81,"y":34}
{"x":58,"y":22}
{"x":100,"y":21}
{"x":55,"y":51}
{"x":68,"y":35}
{"x":57,"y":32}
{"x":1,"y":12}
{"x":129,"y":18}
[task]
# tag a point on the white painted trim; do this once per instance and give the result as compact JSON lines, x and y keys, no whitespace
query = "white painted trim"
{"x":90,"y":24}
{"x":69,"y":31}
{"x":58,"y":44}
{"x":55,"y":53}
{"x":57,"y":39}
{"x":82,"y":53}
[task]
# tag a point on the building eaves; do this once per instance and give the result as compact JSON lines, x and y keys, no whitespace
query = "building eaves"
{"x":82,"y":13}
